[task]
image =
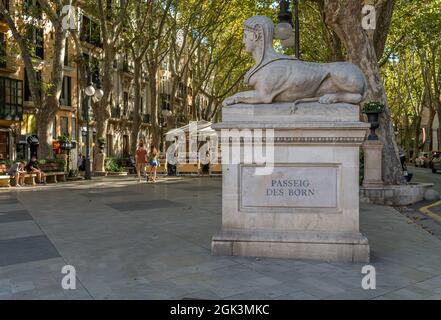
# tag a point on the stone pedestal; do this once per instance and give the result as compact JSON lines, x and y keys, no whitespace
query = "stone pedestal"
{"x":308,"y":206}
{"x":372,"y":163}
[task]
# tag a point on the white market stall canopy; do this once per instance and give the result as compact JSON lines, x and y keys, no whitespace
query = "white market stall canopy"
{"x":203,"y":128}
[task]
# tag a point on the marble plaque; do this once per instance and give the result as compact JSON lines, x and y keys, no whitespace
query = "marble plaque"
{"x":290,"y":187}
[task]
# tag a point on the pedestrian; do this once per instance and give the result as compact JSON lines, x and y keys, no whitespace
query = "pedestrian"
{"x":17,"y":172}
{"x":81,"y":163}
{"x":140,"y":159}
{"x":32,"y":167}
{"x":153,"y":161}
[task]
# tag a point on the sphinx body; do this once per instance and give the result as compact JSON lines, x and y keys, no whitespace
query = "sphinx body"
{"x":280,"y":78}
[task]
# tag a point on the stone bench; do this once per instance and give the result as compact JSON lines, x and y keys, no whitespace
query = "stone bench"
{"x":215,"y":169}
{"x":5,"y":180}
{"x":52,"y":172}
{"x":29,"y":178}
{"x":162,"y":169}
{"x":187,"y":169}
{"x":55,"y":177}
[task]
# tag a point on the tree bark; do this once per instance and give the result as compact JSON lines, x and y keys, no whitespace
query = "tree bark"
{"x":110,"y":30}
{"x":344,"y":18}
{"x":438,"y":132}
{"x":136,"y":106}
{"x":432,"y":114}
{"x":44,"y":132}
{"x":416,"y":146}
{"x":155,"y":131}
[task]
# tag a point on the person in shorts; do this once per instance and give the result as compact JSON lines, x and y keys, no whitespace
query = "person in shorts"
{"x":153,"y":161}
{"x":17,"y":172}
{"x":32,"y":167}
{"x":140,"y":159}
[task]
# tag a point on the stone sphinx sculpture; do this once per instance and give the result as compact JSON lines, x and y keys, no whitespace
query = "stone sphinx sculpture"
{"x":280,"y":78}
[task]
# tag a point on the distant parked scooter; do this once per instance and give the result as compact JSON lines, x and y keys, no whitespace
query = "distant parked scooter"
{"x":407,"y":175}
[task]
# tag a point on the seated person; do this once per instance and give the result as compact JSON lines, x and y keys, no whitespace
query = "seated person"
{"x":17,"y":171}
{"x":32,"y":167}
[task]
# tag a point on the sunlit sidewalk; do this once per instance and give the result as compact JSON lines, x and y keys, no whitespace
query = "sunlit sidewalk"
{"x":130,"y":240}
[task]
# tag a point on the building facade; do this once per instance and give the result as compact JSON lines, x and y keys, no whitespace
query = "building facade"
{"x":18,"y":127}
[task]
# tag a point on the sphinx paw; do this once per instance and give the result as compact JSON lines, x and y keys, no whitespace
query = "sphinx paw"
{"x":229,"y":101}
{"x":328,"y":99}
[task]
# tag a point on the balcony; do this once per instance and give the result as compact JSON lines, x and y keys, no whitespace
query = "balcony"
{"x":11,"y":99}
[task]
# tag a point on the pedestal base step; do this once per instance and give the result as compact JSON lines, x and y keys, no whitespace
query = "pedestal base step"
{"x":302,"y":245}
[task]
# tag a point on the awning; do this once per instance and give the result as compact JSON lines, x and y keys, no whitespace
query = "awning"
{"x":202,"y":128}
{"x":33,"y":140}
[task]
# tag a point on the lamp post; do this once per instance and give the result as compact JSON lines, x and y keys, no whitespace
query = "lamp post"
{"x":166,"y":112}
{"x":97,"y":94}
{"x":284,"y":30}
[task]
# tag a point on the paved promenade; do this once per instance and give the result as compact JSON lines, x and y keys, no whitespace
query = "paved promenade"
{"x":152,"y":241}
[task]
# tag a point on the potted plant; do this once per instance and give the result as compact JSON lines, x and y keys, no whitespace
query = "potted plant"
{"x":372,"y":110}
{"x":65,"y":142}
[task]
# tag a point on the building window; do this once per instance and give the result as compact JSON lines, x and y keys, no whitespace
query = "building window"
{"x":90,"y":31}
{"x":54,"y":129}
{"x":182,"y":91}
{"x":126,"y":152}
{"x":92,"y":66}
{"x":39,"y":43}
{"x":27,"y":89}
{"x":32,"y":8}
{"x":74,"y":128}
{"x":66,"y":53}
{"x":165,"y":103}
{"x":126,"y":103}
{"x":66,"y":92}
{"x":4,"y":145}
{"x":127,"y":65}
{"x":2,"y":50}
{"x":64,"y":126}
{"x":11,"y":99}
{"x":109,"y":145}
{"x":36,"y":37}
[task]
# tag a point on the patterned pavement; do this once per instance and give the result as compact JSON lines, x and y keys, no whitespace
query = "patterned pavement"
{"x":152,"y":241}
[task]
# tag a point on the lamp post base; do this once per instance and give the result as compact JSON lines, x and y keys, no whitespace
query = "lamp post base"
{"x":88,"y":175}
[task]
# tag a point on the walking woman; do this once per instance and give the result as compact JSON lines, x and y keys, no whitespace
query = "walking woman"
{"x":153,"y":162}
{"x":141,"y":158}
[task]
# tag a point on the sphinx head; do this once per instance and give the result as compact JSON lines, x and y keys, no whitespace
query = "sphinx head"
{"x":259,"y":31}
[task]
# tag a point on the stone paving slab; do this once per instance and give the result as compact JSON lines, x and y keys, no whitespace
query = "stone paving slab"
{"x":20,"y":250}
{"x":14,"y":216}
{"x":155,"y":244}
{"x":19,"y":229}
{"x":144,"y":205}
